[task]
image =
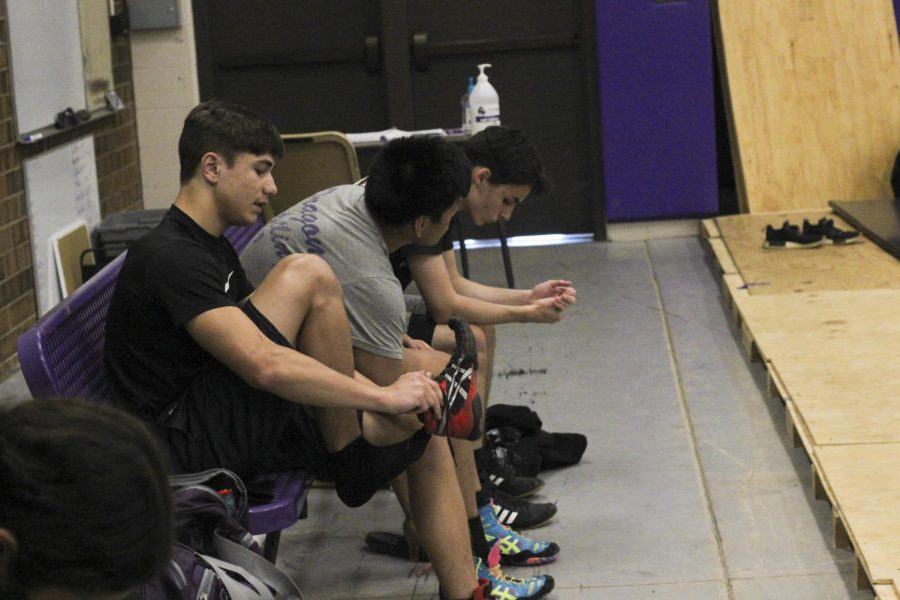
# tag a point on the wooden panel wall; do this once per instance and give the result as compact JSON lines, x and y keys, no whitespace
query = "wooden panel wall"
{"x":813,"y":93}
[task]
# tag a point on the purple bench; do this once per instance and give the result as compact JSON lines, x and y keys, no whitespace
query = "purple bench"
{"x":62,"y":357}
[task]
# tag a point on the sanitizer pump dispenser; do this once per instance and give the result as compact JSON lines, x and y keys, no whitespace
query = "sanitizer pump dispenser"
{"x":484,"y":103}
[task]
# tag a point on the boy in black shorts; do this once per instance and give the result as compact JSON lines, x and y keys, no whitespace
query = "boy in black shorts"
{"x":262,"y":380}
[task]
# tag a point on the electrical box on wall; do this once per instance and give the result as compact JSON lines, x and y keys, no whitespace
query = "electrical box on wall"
{"x":154,"y":14}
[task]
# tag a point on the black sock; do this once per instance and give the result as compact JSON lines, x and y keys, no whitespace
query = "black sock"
{"x":361,"y":469}
{"x":482,"y":497}
{"x":480,"y":546}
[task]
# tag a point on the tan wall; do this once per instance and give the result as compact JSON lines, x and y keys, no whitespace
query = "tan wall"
{"x":165,"y":84}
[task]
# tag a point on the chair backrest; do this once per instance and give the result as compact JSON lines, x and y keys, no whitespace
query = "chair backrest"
{"x":312,"y":162}
{"x":62,"y":354}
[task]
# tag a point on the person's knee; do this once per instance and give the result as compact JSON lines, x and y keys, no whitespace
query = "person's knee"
{"x":307,"y":274}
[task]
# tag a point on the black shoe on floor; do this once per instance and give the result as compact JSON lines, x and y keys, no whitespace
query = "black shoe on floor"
{"x":522,"y":514}
{"x":789,"y":237}
{"x":515,"y":486}
{"x":825,"y":228}
{"x":496,"y":470}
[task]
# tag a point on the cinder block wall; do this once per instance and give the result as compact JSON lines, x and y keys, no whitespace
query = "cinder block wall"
{"x":118,"y":177}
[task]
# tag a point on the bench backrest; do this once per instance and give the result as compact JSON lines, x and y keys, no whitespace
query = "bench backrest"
{"x":62,"y":354}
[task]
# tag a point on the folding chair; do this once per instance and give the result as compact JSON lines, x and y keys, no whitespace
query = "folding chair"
{"x":62,"y":357}
{"x":312,"y":162}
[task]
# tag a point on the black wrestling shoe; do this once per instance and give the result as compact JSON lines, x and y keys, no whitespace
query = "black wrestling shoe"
{"x":521,"y":514}
{"x":496,"y":469}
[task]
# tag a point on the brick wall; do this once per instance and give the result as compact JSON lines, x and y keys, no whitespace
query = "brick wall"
{"x":118,"y":178}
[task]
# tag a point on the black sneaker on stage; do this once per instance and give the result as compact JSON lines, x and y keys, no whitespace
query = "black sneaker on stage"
{"x":825,"y":228}
{"x":521,"y":514}
{"x":789,"y":237}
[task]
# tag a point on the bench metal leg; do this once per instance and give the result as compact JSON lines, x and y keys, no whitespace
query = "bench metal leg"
{"x":270,"y":546}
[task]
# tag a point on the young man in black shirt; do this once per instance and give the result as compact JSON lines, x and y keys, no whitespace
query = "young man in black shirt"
{"x":263,"y":380}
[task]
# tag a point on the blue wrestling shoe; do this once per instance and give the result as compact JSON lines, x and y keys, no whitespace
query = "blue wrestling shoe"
{"x":504,"y":587}
{"x":515,"y":549}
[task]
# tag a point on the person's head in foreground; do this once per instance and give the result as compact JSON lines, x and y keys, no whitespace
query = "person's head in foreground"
{"x":506,"y":169}
{"x":85,"y":509}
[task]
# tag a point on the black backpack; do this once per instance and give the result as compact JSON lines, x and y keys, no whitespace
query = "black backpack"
{"x":214,"y":556}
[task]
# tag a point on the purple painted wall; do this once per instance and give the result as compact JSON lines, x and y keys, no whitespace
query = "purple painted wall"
{"x":657,"y":109}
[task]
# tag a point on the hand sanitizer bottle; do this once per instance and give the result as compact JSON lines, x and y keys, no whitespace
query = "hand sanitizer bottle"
{"x":485,"y":103}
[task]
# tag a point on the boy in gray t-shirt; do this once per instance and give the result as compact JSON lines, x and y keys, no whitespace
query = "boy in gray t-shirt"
{"x":337,"y":225}
{"x":415,"y":186}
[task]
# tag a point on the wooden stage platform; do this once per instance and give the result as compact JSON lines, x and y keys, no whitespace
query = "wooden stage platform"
{"x":825,"y":322}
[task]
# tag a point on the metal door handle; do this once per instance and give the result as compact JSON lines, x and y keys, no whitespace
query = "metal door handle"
{"x":420,"y":50}
{"x":372,"y":58}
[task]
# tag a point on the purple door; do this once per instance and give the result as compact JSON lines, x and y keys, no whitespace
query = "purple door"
{"x":657,"y":114}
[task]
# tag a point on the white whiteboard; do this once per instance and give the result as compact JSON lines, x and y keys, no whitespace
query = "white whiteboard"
{"x":47,"y":71}
{"x":60,"y":187}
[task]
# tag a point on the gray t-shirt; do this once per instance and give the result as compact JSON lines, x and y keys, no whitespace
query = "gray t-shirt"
{"x":336,"y":225}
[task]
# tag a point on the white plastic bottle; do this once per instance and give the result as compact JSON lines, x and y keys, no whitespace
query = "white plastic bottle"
{"x":485,"y":103}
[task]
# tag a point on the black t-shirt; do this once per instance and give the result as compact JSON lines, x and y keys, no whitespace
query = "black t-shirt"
{"x":399,"y":258}
{"x":175,"y":273}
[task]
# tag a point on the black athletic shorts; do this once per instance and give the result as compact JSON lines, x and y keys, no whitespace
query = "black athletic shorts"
{"x":421,"y":327}
{"x":221,"y":421}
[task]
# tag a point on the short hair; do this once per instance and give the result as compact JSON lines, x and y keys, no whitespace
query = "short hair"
{"x":227,"y":129}
{"x":415,"y":176}
{"x":510,"y":157}
{"x":84,"y":489}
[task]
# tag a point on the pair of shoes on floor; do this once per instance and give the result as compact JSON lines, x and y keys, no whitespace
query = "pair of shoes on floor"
{"x":791,"y":237}
{"x":462,"y":415}
{"x":515,"y":549}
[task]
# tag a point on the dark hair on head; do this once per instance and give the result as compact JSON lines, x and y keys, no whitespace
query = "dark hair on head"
{"x":84,"y":489}
{"x":227,"y":129}
{"x":510,"y":157}
{"x":415,"y":176}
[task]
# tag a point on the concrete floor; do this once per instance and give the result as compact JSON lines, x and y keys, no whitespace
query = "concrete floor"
{"x":689,"y":488}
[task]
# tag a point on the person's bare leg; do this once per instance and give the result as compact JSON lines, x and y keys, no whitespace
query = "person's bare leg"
{"x":463,"y":450}
{"x":490,"y":345}
{"x":437,"y":509}
{"x":303,"y":299}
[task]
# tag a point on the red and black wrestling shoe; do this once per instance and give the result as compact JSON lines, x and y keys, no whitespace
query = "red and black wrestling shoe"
{"x":462,"y":411}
